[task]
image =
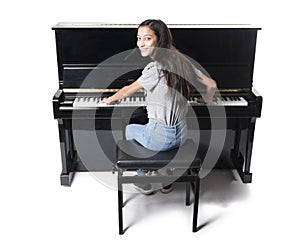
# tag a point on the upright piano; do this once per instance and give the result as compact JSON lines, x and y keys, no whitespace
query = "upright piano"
{"x":95,"y":60}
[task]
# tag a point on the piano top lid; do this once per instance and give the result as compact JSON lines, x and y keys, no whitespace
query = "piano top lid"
{"x":226,"y":52}
{"x":91,"y":25}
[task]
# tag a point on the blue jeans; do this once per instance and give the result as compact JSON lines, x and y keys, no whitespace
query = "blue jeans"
{"x":156,"y":136}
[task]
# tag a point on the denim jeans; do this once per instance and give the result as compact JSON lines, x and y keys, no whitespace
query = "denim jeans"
{"x":156,"y":136}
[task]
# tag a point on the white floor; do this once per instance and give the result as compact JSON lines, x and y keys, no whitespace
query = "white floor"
{"x":88,"y":210}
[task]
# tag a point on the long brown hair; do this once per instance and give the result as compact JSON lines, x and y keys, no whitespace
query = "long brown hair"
{"x":177,"y":69}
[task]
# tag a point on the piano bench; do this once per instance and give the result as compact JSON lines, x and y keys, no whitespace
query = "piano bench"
{"x":132,"y":156}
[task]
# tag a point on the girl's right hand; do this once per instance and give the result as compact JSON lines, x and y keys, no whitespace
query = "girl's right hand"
{"x":108,"y":101}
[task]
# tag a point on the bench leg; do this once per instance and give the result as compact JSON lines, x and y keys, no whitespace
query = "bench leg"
{"x":196,"y":204}
{"x":120,"y":206}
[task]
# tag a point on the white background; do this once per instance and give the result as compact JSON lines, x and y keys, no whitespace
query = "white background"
{"x":33,"y":205}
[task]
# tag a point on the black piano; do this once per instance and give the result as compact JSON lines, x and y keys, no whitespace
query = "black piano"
{"x":95,"y":60}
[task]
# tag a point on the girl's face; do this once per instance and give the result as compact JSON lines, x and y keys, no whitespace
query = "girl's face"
{"x":146,"y":40}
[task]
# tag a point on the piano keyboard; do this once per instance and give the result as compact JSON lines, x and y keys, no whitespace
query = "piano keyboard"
{"x":91,"y":102}
{"x":94,"y":102}
{"x":222,"y":101}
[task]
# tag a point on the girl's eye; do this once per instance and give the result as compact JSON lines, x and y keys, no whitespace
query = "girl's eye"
{"x":145,"y":39}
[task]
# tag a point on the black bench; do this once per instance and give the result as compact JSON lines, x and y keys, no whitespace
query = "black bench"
{"x":133,"y":156}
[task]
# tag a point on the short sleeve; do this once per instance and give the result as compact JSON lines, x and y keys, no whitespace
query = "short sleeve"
{"x":198,"y":72}
{"x":149,"y":77}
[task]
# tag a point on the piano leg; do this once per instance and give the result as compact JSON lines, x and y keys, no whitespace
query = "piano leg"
{"x":242,"y":162}
{"x":249,"y":146}
{"x":67,"y":152}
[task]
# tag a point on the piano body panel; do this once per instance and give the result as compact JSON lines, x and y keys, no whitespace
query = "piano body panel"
{"x":88,"y":136}
{"x":235,"y":154}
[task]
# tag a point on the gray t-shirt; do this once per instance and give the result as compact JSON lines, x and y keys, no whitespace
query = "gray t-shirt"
{"x":162,"y":105}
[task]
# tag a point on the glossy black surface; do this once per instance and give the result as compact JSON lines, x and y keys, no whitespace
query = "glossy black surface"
{"x":226,"y":54}
{"x":107,"y":58}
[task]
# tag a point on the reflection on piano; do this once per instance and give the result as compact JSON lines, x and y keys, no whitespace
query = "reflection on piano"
{"x":88,"y":72}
